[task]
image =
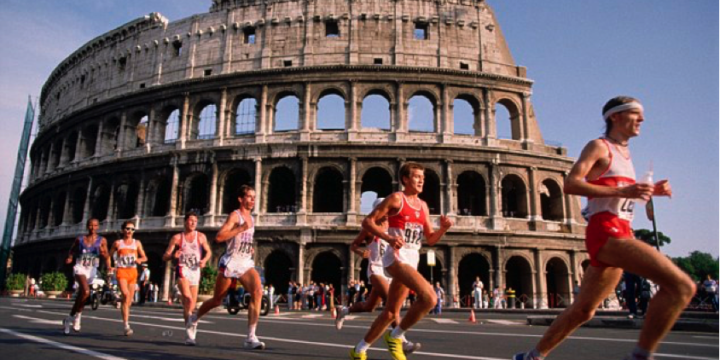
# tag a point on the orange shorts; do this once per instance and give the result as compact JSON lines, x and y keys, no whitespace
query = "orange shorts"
{"x":128,"y":274}
{"x":603,"y":226}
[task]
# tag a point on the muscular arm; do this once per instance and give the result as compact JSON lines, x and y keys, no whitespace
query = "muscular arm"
{"x":231,"y":228}
{"x":105,"y":255}
{"x":360,"y":240}
{"x":391,"y":204}
{"x":206,"y":249}
{"x":73,"y":248}
{"x":168,"y":255}
{"x":431,"y":235}
{"x":141,"y":253}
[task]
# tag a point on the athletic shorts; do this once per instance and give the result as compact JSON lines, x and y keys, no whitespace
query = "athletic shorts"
{"x":90,"y":272}
{"x":377,"y":269}
{"x":128,"y":274}
{"x":192,"y":276}
{"x":234,"y":267}
{"x":603,"y":226}
{"x":405,"y":256}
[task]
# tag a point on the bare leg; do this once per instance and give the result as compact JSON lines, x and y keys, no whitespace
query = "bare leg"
{"x":188,"y":300}
{"x":251,"y":282}
{"x":222,"y":284}
{"x":128,"y":292}
{"x":379,"y":292}
{"x":83,"y":293}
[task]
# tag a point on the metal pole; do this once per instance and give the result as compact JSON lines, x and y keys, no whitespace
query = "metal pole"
{"x":655,"y":232}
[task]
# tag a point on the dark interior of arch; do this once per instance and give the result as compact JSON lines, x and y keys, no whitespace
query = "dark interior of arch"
{"x":231,"y":189}
{"x":277,"y":271}
{"x":431,"y":192}
{"x":326,"y":268}
{"x":59,"y":208}
{"x":377,"y":180}
{"x":126,"y":198}
{"x":514,"y":203}
{"x":518,"y":276}
{"x":161,"y":205}
{"x":551,"y":202}
{"x":471,"y":194}
{"x":197,"y":194}
{"x":78,"y":205}
{"x":101,"y":197}
{"x":281,"y":195}
{"x":471,"y":266}
{"x":556,"y":277}
{"x":328,"y":191}
{"x":437,"y":271}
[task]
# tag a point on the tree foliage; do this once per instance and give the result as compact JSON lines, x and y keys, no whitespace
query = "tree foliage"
{"x":698,"y":265}
{"x":649,"y":237}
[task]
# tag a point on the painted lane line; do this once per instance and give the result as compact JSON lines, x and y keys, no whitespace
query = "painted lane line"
{"x":38,"y":321}
{"x":443,"y":321}
{"x":56,"y":344}
{"x":504,"y":322}
{"x":177,"y":319}
{"x":684,"y":357}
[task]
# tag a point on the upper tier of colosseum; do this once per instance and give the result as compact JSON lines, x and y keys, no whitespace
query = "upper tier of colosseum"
{"x":240,"y":36}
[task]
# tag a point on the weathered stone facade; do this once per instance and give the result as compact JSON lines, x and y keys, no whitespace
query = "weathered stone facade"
{"x":156,"y":118}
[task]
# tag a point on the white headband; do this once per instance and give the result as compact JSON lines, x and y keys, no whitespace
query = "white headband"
{"x":623,"y":107}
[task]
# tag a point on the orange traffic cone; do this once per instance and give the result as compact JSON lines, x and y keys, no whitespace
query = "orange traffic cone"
{"x":277,"y":310}
{"x":472,"y":316}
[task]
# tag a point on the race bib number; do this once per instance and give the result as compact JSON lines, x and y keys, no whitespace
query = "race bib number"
{"x":245,"y":248}
{"x":626,"y":209}
{"x":413,"y":235}
{"x":89,"y":260}
{"x":190,"y":261}
{"x":126,"y":261}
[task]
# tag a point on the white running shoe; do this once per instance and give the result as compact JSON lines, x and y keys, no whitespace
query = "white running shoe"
{"x":128,"y":331}
{"x":410,"y":347}
{"x":190,"y":342}
{"x":76,"y":323}
{"x":254,"y":344}
{"x":191,"y":327}
{"x":340,"y":317}
{"x":67,"y":324}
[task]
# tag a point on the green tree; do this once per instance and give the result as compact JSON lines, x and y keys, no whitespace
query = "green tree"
{"x":698,"y":265}
{"x":649,"y":237}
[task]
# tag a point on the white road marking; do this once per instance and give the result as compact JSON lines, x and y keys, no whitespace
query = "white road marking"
{"x":56,"y":344}
{"x":176,"y":319}
{"x":504,"y":322}
{"x":311,"y":316}
{"x":686,"y":357}
{"x":28,"y":305}
{"x":443,"y":321}
{"x":705,"y":337}
{"x":38,"y":321}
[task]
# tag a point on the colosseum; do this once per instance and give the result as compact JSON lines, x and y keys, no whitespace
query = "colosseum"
{"x":317,"y":105}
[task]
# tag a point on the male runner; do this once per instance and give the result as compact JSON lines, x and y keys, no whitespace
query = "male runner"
{"x":375,"y":249}
{"x":87,"y":251}
{"x":128,"y":253}
{"x":409,"y":222}
{"x":605,"y":174}
{"x":237,"y":264}
{"x":192,"y":253}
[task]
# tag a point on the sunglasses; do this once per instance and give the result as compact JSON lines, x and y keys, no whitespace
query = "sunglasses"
{"x":129,"y":229}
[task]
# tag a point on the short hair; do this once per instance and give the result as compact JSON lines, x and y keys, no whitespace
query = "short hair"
{"x":91,"y":220}
{"x":244,"y":190}
{"x":618,"y":100}
{"x":407,"y":168}
{"x":191,"y":213}
{"x":124,"y":224}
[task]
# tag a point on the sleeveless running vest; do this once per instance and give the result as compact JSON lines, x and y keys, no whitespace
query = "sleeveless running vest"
{"x":88,"y":256}
{"x":408,"y":223}
{"x":126,"y":255}
{"x":377,"y":248}
{"x":241,"y":246}
{"x":190,"y":253}
{"x":620,"y":172}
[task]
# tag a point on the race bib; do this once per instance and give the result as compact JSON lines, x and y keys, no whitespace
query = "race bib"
{"x":413,"y":235}
{"x":626,"y":209}
{"x":189,"y":261}
{"x":126,"y":261}
{"x":88,"y":260}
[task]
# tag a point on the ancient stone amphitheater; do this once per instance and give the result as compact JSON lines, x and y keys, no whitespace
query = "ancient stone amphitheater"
{"x":317,"y":104}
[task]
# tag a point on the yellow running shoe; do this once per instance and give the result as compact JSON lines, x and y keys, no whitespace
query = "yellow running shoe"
{"x":357,"y":356}
{"x":395,"y":347}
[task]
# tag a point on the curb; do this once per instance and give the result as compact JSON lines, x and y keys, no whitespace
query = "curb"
{"x":705,"y":325}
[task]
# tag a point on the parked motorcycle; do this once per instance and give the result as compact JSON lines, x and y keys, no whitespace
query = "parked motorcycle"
{"x":234,"y":302}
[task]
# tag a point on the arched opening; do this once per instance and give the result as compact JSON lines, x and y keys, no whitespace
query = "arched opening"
{"x":331,"y":112}
{"x":158,"y":197}
{"x":45,"y":204}
{"x":431,"y":192}
{"x":328,"y":191}
{"x":518,"y":276}
{"x":89,"y":135}
{"x":156,"y":266}
{"x":278,"y":271}
{"x":110,"y":136}
{"x":465,"y":119}
{"x":471,"y":194}
{"x":55,"y":155}
{"x":470,"y":267}
{"x":51,"y":265}
{"x":245,"y":116}
{"x":100,"y":199}
{"x":327,"y":268}
{"x":551,"y":201}
{"x":58,"y":208}
{"x":425,"y":270}
{"x":375,"y":112}
{"x":376,"y":182}
{"x":287,"y":114}
{"x":126,"y":199}
{"x":421,"y":114}
{"x":231,"y":189}
{"x":71,"y":147}
{"x":206,"y":124}
{"x":281,"y":195}
{"x":507,"y":120}
{"x":172,"y":126}
{"x":196,"y":193}
{"x":78,"y":205}
{"x":557,"y":278}
{"x":514,"y":199}
{"x":141,"y":131}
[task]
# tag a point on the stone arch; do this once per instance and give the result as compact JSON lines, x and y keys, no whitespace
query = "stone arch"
{"x":196,"y":194}
{"x":432,"y":191}
{"x":376,"y":110}
{"x":286,"y":112}
{"x":471,"y":196}
{"x":328,"y":191}
{"x":136,"y":129}
{"x":278,"y":271}
{"x":78,"y":205}
{"x":557,"y":280}
{"x":89,"y":141}
{"x":282,"y":186}
{"x":157,"y":196}
{"x":170,"y":125}
{"x":245,"y":113}
{"x":519,"y":275}
{"x":126,"y":194}
{"x":327,"y":267}
{"x":377,"y":180}
{"x":331,"y":109}
{"x":514,"y":197}
{"x":58,"y":208}
{"x":551,"y":200}
{"x":472,"y":265}
{"x":421,"y":112}
{"x":100,"y":201}
{"x":70,"y":145}
{"x":231,"y":183}
{"x":110,"y":135}
{"x":515,"y":118}
{"x":466,"y":112}
{"x":204,"y":121}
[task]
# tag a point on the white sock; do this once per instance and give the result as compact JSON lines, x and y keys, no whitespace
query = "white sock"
{"x":77,"y":317}
{"x":362,"y":347}
{"x":251,"y":332}
{"x":127,"y":324}
{"x":345,"y":310}
{"x":397,"y":333}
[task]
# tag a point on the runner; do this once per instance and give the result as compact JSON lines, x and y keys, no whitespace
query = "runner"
{"x":605,"y":174}
{"x":237,"y":264}
{"x":128,"y":253}
{"x":191,"y":245}
{"x":375,"y":249}
{"x":408,"y":224}
{"x":87,"y":251}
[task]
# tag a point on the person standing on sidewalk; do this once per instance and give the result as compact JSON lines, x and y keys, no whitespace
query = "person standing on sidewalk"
{"x":605,"y":174}
{"x":477,"y":292}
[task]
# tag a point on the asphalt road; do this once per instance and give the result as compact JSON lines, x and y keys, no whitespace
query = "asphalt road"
{"x":31,"y":329}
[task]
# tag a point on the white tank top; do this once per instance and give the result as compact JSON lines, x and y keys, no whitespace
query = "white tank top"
{"x":241,"y":246}
{"x":126,"y":254}
{"x":190,"y":252}
{"x":377,"y":249}
{"x":620,"y":172}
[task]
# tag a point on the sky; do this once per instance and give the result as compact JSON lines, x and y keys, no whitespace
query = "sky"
{"x":578,"y":53}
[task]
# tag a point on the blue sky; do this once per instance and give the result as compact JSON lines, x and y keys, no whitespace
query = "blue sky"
{"x":579,"y":53}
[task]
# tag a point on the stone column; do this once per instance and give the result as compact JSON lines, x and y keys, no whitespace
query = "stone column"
{"x":166,"y":281}
{"x":88,"y":199}
{"x":172,"y":210}
{"x":568,"y":206}
{"x":498,"y":259}
{"x":352,"y":209}
{"x":185,"y":119}
{"x":452,"y":274}
{"x":490,"y":126}
{"x":140,"y":204}
{"x":451,"y":208}
{"x":151,"y":138}
{"x":262,"y":119}
{"x":525,"y":118}
{"x":446,"y":125}
{"x":98,"y":140}
{"x":401,"y":122}
{"x":222,"y":128}
{"x":573,"y":276}
{"x":122,"y":136}
{"x":213,"y":192}
{"x":540,"y":285}
{"x":78,"y":146}
{"x":535,"y":211}
{"x":302,"y":214}
{"x":111,"y":204}
{"x":306,"y":118}
{"x":259,"y":188}
{"x":50,"y":157}
{"x":352,"y":125}
{"x":498,"y":222}
{"x":67,"y":214}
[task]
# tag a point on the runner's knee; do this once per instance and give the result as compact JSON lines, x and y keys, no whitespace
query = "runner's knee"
{"x":428,"y":298}
{"x":583,"y":312}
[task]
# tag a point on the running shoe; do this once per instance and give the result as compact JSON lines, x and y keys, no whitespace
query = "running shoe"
{"x":67,"y":324}
{"x":394,"y":347}
{"x":526,"y":356}
{"x":76,"y":323}
{"x":191,"y":327}
{"x":340,"y":317}
{"x":128,"y":331}
{"x":254,"y":344}
{"x":410,"y":347}
{"x":190,"y":342}
{"x":357,"y":356}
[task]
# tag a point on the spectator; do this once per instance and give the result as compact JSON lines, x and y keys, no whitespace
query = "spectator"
{"x":477,"y":292}
{"x":632,"y":282}
{"x":271,"y":295}
{"x":351,"y":293}
{"x":497,"y":294}
{"x":485,"y":299}
{"x":290,"y":295}
{"x":440,"y":293}
{"x":144,"y":284}
{"x":711,"y":289}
